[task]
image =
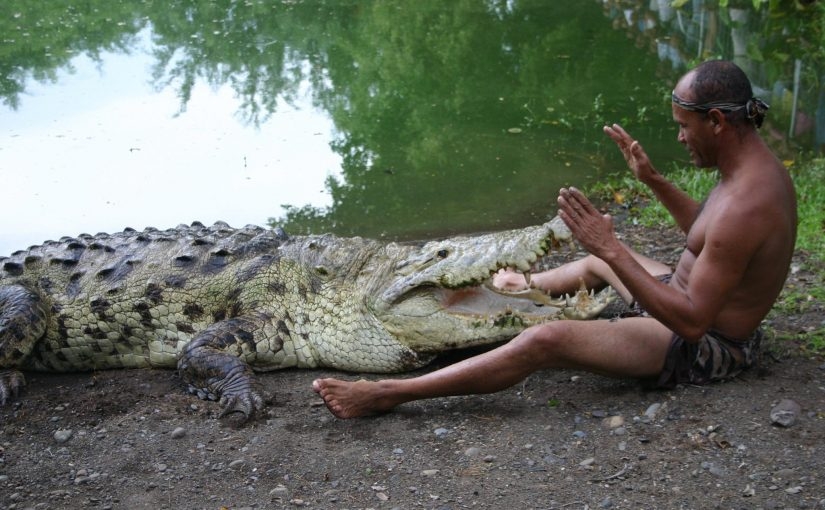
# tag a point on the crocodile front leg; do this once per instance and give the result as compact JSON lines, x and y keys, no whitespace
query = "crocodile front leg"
{"x":23,"y":319}
{"x":211,"y":365}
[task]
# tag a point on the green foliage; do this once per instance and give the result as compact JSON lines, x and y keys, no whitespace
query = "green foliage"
{"x":810,"y":189}
{"x":638,"y":199}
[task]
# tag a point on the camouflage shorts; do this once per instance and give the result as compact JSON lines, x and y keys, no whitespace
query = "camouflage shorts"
{"x":714,"y":357}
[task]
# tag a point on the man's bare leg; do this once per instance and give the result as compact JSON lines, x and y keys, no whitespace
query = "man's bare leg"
{"x":567,"y":278}
{"x":633,"y":347}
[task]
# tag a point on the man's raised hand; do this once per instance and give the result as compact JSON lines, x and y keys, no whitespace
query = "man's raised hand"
{"x":632,"y":151}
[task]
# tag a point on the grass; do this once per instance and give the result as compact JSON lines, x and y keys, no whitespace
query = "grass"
{"x":809,"y":178}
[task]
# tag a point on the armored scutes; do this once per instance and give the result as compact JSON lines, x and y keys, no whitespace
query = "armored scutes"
{"x":218,"y":302}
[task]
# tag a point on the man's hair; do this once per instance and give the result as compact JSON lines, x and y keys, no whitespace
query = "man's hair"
{"x":720,"y":82}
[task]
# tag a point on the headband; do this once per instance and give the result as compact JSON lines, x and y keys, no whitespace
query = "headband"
{"x":754,"y":107}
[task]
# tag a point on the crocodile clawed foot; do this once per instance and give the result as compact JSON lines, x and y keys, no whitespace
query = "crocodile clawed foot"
{"x":240,"y":408}
{"x":11,"y":382}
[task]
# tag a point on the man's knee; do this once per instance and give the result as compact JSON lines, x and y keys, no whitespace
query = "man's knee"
{"x":546,"y":339}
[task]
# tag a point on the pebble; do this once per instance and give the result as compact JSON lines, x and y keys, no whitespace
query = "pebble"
{"x":429,"y":472}
{"x":279,"y":490}
{"x":62,"y":435}
{"x":178,"y":433}
{"x":785,"y":412}
{"x":713,"y":469}
{"x":785,"y":474}
{"x":237,"y":463}
{"x":441,"y":432}
{"x":472,"y":451}
{"x":652,"y":409}
{"x":614,"y":422}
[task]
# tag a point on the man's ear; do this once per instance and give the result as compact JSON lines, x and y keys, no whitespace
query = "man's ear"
{"x":717,"y":119}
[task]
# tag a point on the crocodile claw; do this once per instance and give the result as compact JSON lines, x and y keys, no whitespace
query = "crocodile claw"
{"x":11,"y":382}
{"x":248,"y":403}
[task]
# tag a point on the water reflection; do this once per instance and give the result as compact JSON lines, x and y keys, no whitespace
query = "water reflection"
{"x":100,"y":150}
{"x":387,"y":118}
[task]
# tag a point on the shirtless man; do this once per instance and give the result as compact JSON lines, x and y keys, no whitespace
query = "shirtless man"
{"x":696,"y":324}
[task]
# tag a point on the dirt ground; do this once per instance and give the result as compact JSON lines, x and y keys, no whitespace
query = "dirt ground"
{"x":561,"y":440}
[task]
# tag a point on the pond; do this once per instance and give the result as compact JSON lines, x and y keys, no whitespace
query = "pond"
{"x":387,"y":119}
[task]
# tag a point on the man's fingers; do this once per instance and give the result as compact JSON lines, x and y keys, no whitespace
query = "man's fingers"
{"x":579,"y":202}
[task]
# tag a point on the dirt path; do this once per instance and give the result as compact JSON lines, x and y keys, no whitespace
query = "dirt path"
{"x":561,"y":440}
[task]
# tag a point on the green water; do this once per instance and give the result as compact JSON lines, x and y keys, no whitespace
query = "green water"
{"x":440,"y":116}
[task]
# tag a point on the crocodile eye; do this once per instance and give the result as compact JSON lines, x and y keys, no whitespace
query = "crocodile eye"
{"x":442,"y":254}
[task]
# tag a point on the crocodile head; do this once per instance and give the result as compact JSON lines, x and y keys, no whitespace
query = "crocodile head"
{"x":439,"y":295}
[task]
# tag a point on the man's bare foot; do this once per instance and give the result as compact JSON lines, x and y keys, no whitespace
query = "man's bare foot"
{"x":352,"y":399}
{"x":507,"y":279}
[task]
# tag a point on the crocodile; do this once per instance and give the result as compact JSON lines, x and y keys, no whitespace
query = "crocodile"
{"x":219,"y":303}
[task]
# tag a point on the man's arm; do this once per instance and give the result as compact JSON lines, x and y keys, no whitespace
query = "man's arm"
{"x":715,"y":274}
{"x":683,"y":208}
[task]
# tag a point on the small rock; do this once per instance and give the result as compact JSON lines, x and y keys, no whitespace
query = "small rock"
{"x":441,"y":432}
{"x":579,"y":434}
{"x":785,"y":412}
{"x":62,"y":435}
{"x":785,"y":474}
{"x":429,"y":472}
{"x":614,"y":422}
{"x":472,"y":451}
{"x":587,"y":462}
{"x":606,"y":503}
{"x":652,"y":409}
{"x":749,"y":491}
{"x":178,"y":433}
{"x":716,"y":471}
{"x":794,"y":490}
{"x":237,"y":463}
{"x":278,"y":491}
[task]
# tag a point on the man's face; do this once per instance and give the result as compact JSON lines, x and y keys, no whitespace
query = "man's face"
{"x":696,"y":129}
